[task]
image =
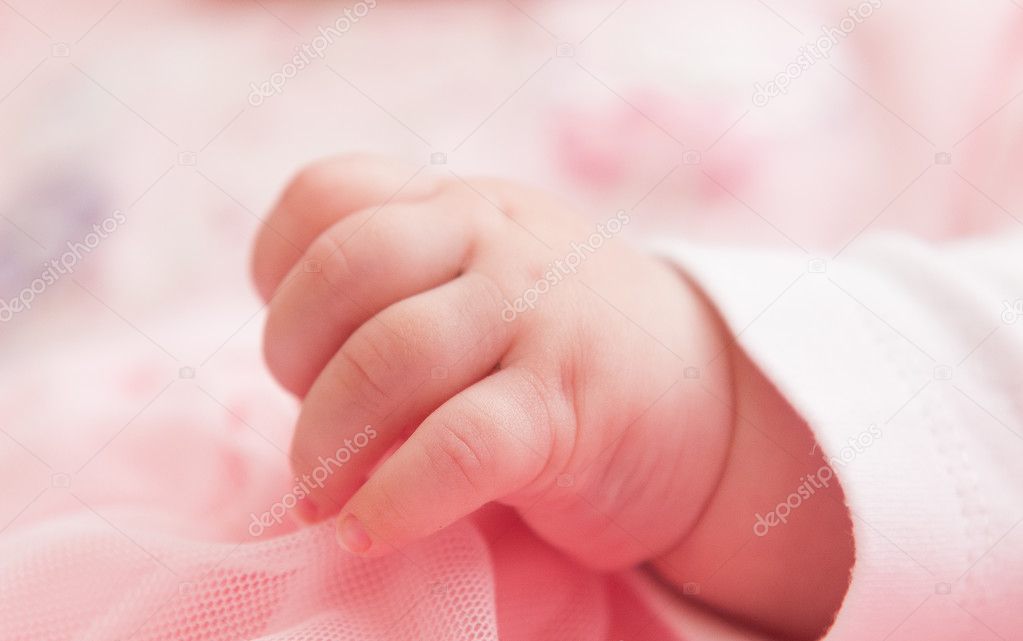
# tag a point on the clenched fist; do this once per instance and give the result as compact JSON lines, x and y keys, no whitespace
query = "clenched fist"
{"x":512,"y":352}
{"x":462,"y":341}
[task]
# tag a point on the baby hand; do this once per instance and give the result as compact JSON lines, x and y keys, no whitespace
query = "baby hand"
{"x":508,"y":350}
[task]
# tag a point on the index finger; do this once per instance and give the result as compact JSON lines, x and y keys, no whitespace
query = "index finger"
{"x":319,"y":196}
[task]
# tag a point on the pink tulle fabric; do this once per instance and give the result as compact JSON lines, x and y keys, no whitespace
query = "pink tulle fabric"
{"x":76,"y":578}
{"x":153,"y":536}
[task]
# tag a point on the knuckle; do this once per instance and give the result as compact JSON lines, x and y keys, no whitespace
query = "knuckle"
{"x":465,"y":200}
{"x":448,"y":190}
{"x":459,"y":450}
{"x":549,"y":419}
{"x":369,"y":368}
{"x":503,"y":196}
{"x":495,"y":187}
{"x":386,"y":233}
{"x":312,"y":182}
{"x":488,"y":303}
{"x":490,"y":292}
{"x":334,"y":258}
{"x":323,"y":177}
{"x":350,"y":252}
{"x":420,"y":329}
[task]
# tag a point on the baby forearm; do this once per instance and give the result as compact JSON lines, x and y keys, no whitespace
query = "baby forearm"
{"x":783,"y":570}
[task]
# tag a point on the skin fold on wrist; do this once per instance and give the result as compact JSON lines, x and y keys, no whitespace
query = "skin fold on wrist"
{"x":782,"y":574}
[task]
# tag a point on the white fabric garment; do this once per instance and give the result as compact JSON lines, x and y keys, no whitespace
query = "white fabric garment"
{"x":906,"y":360}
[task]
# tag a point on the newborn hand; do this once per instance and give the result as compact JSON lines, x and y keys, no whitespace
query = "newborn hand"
{"x":508,"y":350}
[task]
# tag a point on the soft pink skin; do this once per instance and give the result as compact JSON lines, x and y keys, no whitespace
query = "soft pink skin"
{"x":588,"y":420}
{"x":386,"y":288}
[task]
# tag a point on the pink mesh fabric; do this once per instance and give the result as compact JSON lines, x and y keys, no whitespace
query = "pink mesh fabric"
{"x":78,"y":578}
{"x":120,"y":523}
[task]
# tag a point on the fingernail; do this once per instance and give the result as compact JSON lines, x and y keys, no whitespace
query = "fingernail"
{"x":352,"y":535}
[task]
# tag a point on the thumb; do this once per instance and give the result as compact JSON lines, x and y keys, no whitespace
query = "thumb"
{"x":487,"y":442}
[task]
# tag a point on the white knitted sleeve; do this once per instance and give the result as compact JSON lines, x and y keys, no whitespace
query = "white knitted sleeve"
{"x":907,"y":361}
